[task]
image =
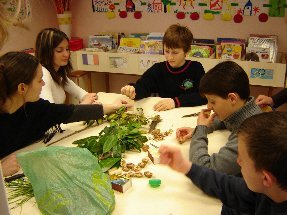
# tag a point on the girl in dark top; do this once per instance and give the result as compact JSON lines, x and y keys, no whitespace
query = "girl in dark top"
{"x":175,"y":79}
{"x":24,"y":117}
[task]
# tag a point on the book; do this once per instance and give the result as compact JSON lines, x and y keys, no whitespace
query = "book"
{"x":229,"y":51}
{"x":101,"y":42}
{"x":265,"y":42}
{"x":201,"y":51}
{"x":263,"y":54}
{"x":129,"y":45}
{"x":151,"y":47}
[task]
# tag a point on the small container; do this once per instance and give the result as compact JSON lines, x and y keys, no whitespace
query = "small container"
{"x":154,"y":183}
{"x":76,"y":43}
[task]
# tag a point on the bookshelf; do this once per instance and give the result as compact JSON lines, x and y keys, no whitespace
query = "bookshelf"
{"x":259,"y":73}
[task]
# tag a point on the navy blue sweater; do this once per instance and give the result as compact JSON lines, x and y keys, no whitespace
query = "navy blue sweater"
{"x":181,"y":84}
{"x":31,"y":121}
{"x":234,"y":193}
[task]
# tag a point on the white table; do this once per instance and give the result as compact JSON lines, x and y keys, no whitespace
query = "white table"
{"x":177,"y":195}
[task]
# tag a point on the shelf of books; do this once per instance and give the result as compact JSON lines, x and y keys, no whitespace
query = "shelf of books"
{"x":259,"y":73}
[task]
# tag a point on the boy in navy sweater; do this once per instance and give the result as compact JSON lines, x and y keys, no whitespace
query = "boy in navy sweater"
{"x":176,"y":79}
{"x":262,"y":156}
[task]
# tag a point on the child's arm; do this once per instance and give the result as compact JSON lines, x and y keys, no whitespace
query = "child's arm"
{"x":147,"y":84}
{"x":223,"y":161}
{"x":280,"y":98}
{"x":231,"y":190}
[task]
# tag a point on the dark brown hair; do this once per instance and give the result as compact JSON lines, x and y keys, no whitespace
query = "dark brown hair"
{"x":265,"y":137}
{"x":47,"y":40}
{"x":177,"y":36}
{"x":15,"y":68}
{"x":226,"y":77}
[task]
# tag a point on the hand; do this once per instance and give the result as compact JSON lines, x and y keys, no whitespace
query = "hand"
{"x":10,"y":165}
{"x":129,"y":91}
{"x":172,"y":156}
{"x":263,"y":100}
{"x":205,"y":119}
{"x":89,"y":98}
{"x":165,"y":104}
{"x":110,"y":108}
{"x":183,"y":134}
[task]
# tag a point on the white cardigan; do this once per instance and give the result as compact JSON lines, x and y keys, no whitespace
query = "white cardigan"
{"x":55,"y":93}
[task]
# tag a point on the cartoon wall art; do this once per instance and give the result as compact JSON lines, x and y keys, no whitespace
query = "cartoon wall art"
{"x":229,"y":10}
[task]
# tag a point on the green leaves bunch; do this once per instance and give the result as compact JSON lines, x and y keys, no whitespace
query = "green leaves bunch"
{"x":124,"y":133}
{"x":20,"y":191}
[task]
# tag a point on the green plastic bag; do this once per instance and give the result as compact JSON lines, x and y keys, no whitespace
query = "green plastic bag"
{"x":67,"y":180}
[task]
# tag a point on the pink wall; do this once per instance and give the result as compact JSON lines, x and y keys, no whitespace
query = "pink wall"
{"x":43,"y":16}
{"x":86,"y":23}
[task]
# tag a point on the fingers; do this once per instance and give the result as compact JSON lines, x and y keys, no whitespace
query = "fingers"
{"x":183,"y":134}
{"x":259,"y":99}
{"x":165,"y":104}
{"x":97,"y":103}
{"x":129,"y":91}
{"x":166,"y":154}
{"x":10,"y":165}
{"x":89,"y":98}
{"x":262,"y":100}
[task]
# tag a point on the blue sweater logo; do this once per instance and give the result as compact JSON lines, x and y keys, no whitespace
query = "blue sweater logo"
{"x":186,"y":84}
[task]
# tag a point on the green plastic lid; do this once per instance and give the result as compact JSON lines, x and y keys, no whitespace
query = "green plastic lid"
{"x":154,"y":182}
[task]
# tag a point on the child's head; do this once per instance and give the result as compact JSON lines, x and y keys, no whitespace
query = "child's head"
{"x":18,"y":72}
{"x":226,"y":87}
{"x":176,"y":42}
{"x":53,"y":52}
{"x":262,"y":151}
{"x":178,"y":36}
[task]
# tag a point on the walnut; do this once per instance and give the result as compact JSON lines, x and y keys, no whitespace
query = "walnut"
{"x":142,"y":165}
{"x":145,"y":160}
{"x":125,"y":168}
{"x":136,"y":168}
{"x":130,"y":165}
{"x":138,"y":175}
{"x":148,"y":174}
{"x":145,"y":147}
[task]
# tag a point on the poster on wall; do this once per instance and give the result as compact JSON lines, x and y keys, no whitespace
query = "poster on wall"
{"x":146,"y":62}
{"x":194,"y":9}
{"x":12,"y":6}
{"x":261,"y":73}
{"x":118,"y":62}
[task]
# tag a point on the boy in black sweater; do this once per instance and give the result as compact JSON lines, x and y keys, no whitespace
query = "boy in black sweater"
{"x":262,"y":156}
{"x":175,"y":79}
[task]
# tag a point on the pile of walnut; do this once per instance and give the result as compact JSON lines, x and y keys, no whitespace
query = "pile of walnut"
{"x":130,"y":170}
{"x":159,"y":136}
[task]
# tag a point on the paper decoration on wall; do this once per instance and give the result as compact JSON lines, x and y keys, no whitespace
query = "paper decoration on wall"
{"x":277,"y":8}
{"x":23,"y":6}
{"x":195,"y":9}
{"x":118,"y":62}
{"x":261,"y":73}
{"x":90,"y":59}
{"x":146,"y":62}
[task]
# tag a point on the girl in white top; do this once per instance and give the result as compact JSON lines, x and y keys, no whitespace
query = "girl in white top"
{"x":53,"y":52}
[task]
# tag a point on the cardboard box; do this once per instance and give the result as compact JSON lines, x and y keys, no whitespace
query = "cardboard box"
{"x":121,"y":184}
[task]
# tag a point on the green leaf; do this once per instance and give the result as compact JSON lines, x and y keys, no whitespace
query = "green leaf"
{"x":108,"y":163}
{"x":110,"y":142}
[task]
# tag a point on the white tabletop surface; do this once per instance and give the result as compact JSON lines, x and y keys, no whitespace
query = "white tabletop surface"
{"x":177,"y":195}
